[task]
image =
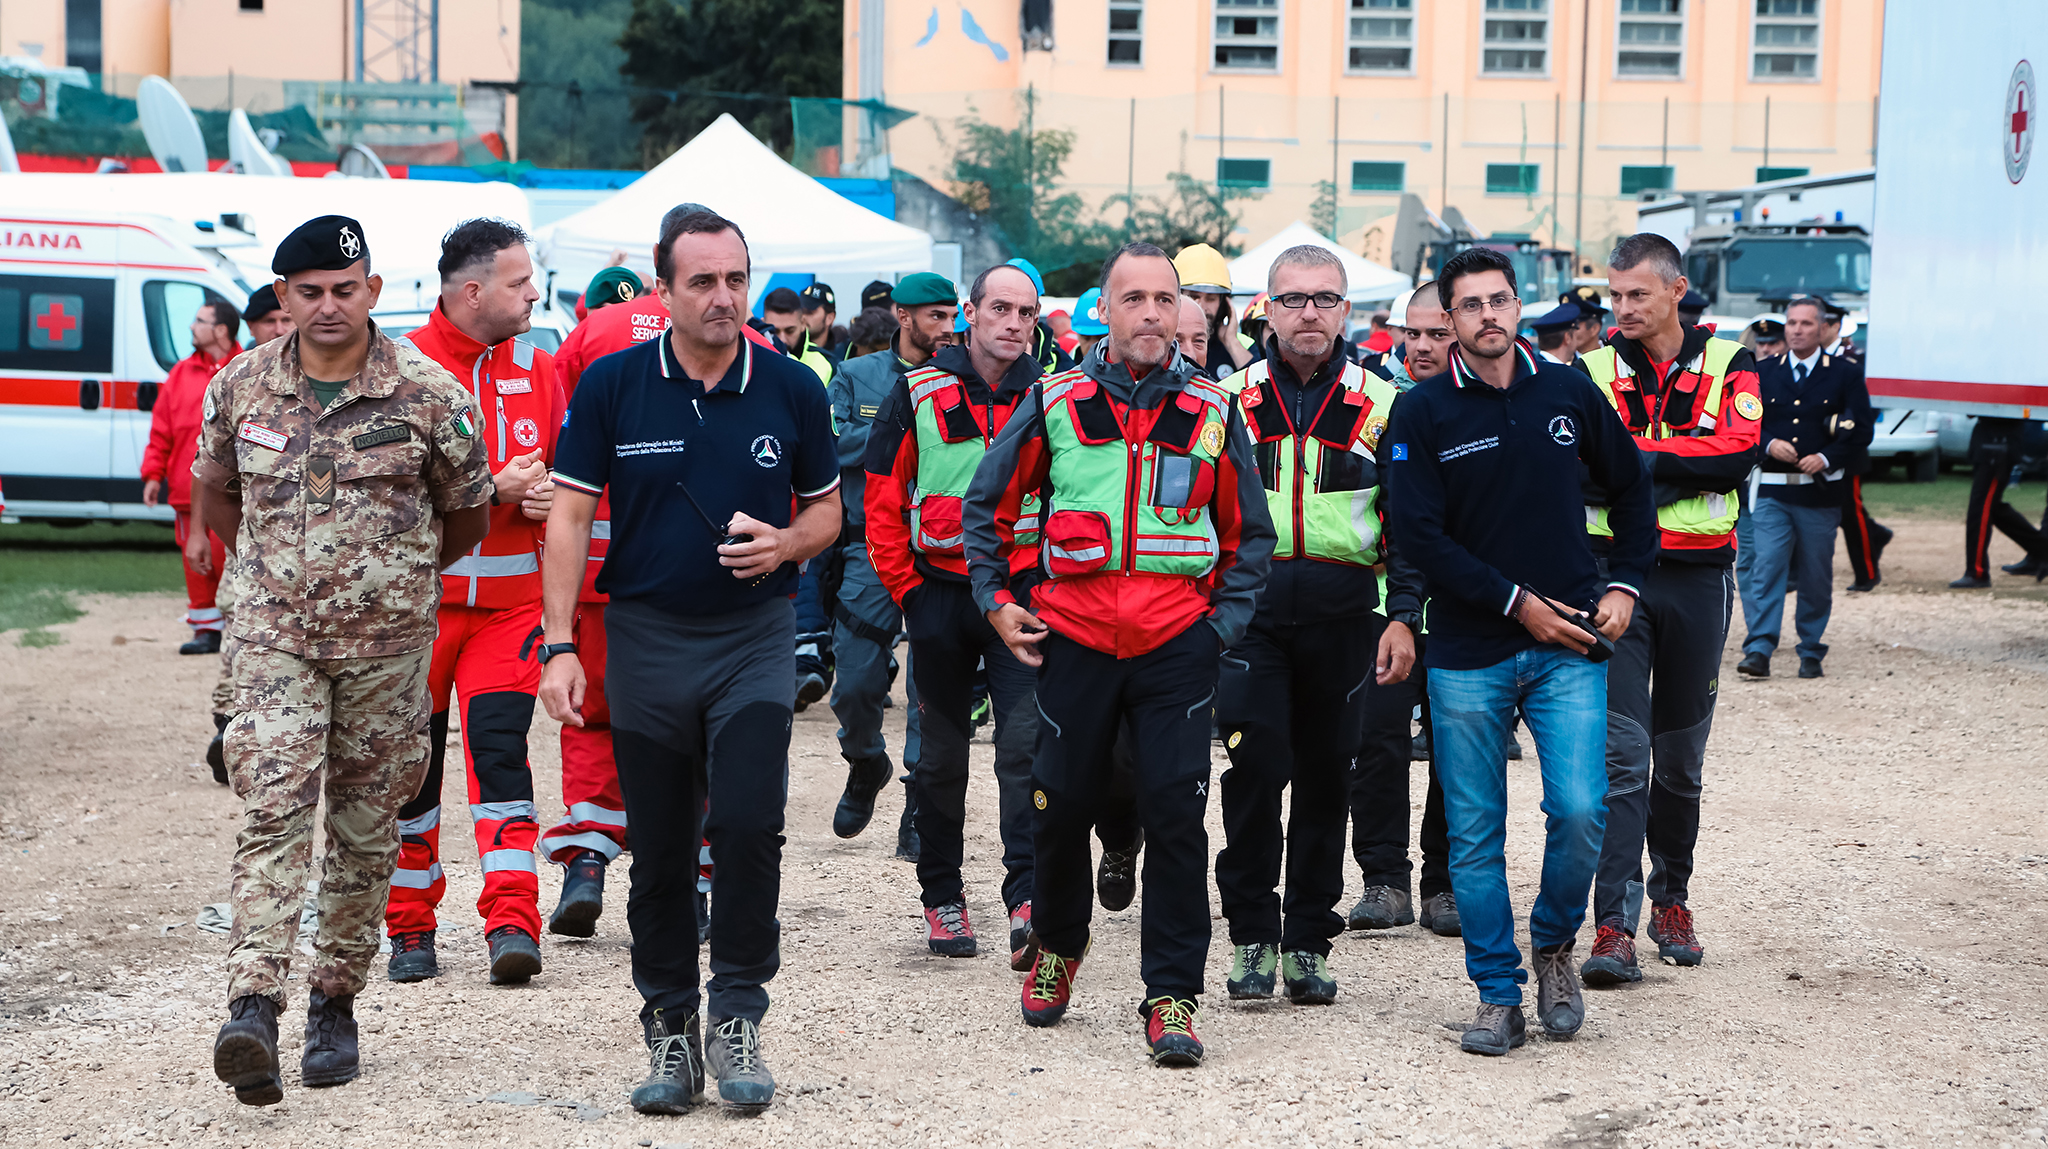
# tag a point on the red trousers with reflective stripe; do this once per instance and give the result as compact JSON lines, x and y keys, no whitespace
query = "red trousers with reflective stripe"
{"x":596,"y":818}
{"x":476,"y":656}
{"x":201,"y":611}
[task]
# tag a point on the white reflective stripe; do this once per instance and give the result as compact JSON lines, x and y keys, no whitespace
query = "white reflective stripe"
{"x":1084,"y":555}
{"x":592,"y":812}
{"x":1717,"y":503}
{"x":1026,"y":523}
{"x":479,"y":811}
{"x":935,"y":541}
{"x":421,"y":824}
{"x":918,"y":393}
{"x":1364,"y":523}
{"x":1165,"y":545}
{"x":601,"y":529}
{"x":1785,"y":479}
{"x":493,"y":566}
{"x":495,"y":861}
{"x":552,"y":844}
{"x":1593,"y":516}
{"x":416,"y":879}
{"x":208,"y":614}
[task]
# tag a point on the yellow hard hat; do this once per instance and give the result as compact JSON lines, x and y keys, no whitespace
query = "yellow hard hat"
{"x":1203,"y":268}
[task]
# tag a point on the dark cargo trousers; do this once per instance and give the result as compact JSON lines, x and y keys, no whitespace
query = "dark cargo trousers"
{"x":1379,"y":790}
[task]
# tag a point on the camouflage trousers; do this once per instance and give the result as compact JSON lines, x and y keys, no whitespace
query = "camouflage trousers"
{"x":355,"y":728}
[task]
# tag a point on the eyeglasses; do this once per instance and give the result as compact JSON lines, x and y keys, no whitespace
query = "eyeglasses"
{"x":1296,"y":300}
{"x":1500,"y":302}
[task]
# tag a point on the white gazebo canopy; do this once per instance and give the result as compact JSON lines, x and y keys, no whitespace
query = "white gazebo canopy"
{"x":792,"y":222}
{"x":1370,"y":282}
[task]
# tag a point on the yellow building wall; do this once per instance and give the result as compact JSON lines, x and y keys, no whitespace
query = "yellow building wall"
{"x":1445,"y":121}
{"x":33,"y":28}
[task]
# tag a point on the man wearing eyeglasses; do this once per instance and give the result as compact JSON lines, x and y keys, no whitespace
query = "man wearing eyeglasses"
{"x":1484,"y":466}
{"x":1291,"y":693}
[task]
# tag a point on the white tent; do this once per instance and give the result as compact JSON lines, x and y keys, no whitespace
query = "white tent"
{"x":792,"y":222}
{"x":1370,"y":282}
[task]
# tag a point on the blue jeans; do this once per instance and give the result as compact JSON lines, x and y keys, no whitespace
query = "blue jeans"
{"x":1795,"y":551}
{"x":862,"y":678}
{"x":1564,"y":699}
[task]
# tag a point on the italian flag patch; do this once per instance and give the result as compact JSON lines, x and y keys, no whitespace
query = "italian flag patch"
{"x":465,"y":422}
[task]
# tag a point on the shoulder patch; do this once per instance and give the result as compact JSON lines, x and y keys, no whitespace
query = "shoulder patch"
{"x":1747,"y":406}
{"x":465,"y":421}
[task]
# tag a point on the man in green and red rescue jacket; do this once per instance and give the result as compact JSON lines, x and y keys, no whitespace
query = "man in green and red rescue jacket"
{"x":1154,"y":543}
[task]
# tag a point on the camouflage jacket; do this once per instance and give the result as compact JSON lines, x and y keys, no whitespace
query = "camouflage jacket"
{"x":338,"y":541}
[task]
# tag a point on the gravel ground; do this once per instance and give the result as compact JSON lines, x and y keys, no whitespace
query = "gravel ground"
{"x":1870,"y":891}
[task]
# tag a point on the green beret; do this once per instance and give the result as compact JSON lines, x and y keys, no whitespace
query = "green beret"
{"x":612,"y":285}
{"x":925,"y":287}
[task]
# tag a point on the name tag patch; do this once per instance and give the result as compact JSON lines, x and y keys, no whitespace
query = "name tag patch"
{"x":515,"y":386}
{"x":396,"y":433}
{"x":262,"y":436}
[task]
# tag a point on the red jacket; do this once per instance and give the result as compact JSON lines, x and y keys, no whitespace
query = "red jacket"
{"x":174,"y":426}
{"x":519,"y":411}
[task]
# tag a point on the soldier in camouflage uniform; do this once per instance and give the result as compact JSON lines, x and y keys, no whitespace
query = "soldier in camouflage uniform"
{"x":344,"y":500}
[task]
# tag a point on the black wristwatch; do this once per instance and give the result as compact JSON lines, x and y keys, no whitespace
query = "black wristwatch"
{"x":548,"y":651}
{"x":1412,"y":619}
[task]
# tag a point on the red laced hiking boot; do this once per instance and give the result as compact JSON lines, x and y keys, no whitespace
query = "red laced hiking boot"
{"x":1671,"y":928}
{"x":951,"y":935}
{"x":1170,"y":1031}
{"x":1023,"y":939}
{"x":1048,"y":988}
{"x":1613,"y":960}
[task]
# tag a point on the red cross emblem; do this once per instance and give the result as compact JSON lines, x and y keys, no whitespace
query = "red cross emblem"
{"x":2019,"y":121}
{"x":56,"y":320}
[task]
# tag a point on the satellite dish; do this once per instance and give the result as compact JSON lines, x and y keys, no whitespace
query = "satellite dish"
{"x":8,"y":162}
{"x":361,"y":162}
{"x":246,"y":149}
{"x":169,"y":126}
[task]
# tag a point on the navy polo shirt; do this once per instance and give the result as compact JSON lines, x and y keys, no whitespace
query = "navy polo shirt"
{"x":748,"y":442}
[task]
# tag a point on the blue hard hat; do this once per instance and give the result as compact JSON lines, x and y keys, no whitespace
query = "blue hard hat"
{"x":1088,"y":318}
{"x":1024,"y":265}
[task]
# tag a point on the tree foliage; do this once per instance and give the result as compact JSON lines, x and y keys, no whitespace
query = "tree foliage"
{"x":694,"y":60}
{"x":590,"y":125}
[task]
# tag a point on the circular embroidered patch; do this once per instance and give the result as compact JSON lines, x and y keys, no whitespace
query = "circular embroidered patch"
{"x":1747,"y":406}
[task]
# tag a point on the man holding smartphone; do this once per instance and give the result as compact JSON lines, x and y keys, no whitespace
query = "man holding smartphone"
{"x":1484,"y":466}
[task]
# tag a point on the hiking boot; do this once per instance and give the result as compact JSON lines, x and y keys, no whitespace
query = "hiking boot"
{"x":981,"y":715}
{"x":907,"y":845}
{"x":1513,"y":749}
{"x":412,"y":957}
{"x":1116,"y":876}
{"x":951,"y":934}
{"x":332,"y":1056}
{"x":582,"y":901}
{"x":515,"y":955}
{"x":1810,"y":668}
{"x":1048,"y":988}
{"x":734,"y":1058}
{"x":1671,"y":928}
{"x":1560,"y":1004}
{"x":1382,"y":908}
{"x":1170,"y":1031}
{"x":1439,"y":915}
{"x":864,"y":780}
{"x":675,"y":1066}
{"x":1614,"y":957}
{"x":1251,"y":971}
{"x":1308,"y":978}
{"x":217,"y":750}
{"x":1023,"y":939}
{"x":203,"y":642}
{"x":1494,"y":1030}
{"x":245,"y":1051}
{"x":1754,"y":665}
{"x":810,"y":687}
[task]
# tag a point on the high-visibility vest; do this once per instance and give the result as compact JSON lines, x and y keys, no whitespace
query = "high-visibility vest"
{"x":950,"y":444}
{"x":1690,"y":404}
{"x":1322,"y":486}
{"x":1131,"y":504}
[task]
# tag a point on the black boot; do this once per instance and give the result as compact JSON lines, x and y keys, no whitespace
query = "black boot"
{"x":412,"y":957}
{"x":515,"y":955}
{"x":331,"y":1056}
{"x":907,"y":845}
{"x":582,"y":901}
{"x":216,"y":750}
{"x":675,"y":1065}
{"x":857,"y":805}
{"x":245,"y":1052}
{"x":203,"y":642}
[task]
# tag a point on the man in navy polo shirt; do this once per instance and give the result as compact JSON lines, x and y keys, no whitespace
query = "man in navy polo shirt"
{"x":1485,"y":499}
{"x":705,"y":441}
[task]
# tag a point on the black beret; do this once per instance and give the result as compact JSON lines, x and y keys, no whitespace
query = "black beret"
{"x":329,"y":243}
{"x":262,"y":302}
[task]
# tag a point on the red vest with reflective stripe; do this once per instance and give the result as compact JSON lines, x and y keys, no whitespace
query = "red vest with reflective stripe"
{"x":519,"y":411}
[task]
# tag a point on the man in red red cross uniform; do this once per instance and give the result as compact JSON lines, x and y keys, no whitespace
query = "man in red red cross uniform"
{"x":490,"y":611}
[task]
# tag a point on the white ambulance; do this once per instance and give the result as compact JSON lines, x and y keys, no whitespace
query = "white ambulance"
{"x":94,"y":312}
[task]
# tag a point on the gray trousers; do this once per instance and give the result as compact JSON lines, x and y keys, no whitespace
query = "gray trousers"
{"x":861,"y":665}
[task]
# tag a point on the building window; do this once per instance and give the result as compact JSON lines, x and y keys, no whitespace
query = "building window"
{"x":1511,"y":179}
{"x":1787,"y":40}
{"x":1650,"y":38}
{"x":1376,"y":176}
{"x":82,"y":34}
{"x":1517,"y":36}
{"x":1248,"y":34}
{"x":1127,"y":31}
{"x":1237,"y":173}
{"x":1765,"y":175}
{"x":1382,"y":36}
{"x":1644,"y":177}
{"x":252,"y":5}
